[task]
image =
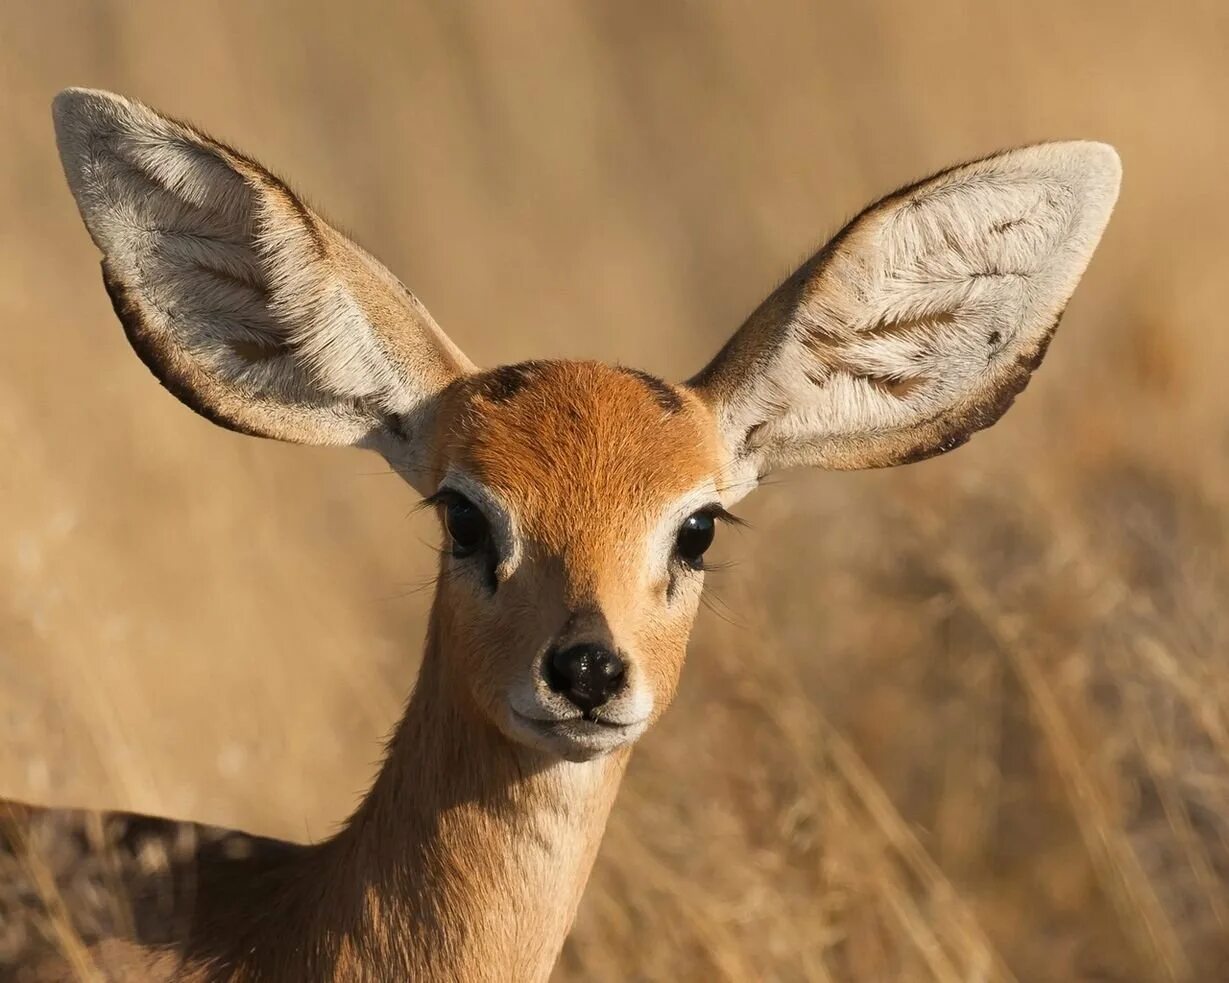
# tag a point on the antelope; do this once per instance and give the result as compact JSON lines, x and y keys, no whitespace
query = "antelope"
{"x":577,"y":502}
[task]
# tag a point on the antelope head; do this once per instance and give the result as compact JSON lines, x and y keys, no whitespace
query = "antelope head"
{"x":577,"y":500}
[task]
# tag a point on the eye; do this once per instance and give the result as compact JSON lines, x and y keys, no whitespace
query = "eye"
{"x":694,"y":538}
{"x":467,"y":526}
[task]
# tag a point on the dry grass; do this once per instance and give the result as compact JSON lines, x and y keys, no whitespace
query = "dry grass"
{"x":978,"y":728}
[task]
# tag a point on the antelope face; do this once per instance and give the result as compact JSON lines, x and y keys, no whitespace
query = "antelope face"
{"x":577,"y":502}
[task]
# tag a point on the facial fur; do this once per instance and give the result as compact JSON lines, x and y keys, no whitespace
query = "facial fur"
{"x":585,"y":474}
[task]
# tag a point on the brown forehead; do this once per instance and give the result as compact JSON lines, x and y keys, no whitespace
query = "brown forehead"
{"x":562,"y":440}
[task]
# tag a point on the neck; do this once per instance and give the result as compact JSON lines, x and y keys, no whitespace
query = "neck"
{"x":468,"y":858}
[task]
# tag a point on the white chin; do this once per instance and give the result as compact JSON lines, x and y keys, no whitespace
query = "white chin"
{"x":572,"y":740}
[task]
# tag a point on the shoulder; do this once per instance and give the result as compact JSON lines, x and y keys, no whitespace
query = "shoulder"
{"x":80,"y":884}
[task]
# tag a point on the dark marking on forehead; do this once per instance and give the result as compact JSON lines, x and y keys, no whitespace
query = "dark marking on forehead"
{"x":666,"y":395}
{"x":501,"y":384}
{"x":585,"y":446}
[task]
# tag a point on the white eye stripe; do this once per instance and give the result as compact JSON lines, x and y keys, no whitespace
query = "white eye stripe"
{"x":504,"y":533}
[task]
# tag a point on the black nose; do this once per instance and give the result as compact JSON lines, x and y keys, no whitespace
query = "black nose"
{"x":588,"y":675}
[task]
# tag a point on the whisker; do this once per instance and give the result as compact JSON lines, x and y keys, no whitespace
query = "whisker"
{"x":713,"y":602}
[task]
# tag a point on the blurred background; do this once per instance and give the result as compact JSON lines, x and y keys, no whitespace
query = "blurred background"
{"x":967,"y":719}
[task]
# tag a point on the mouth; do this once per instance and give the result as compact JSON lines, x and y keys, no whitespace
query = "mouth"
{"x":554,"y":725}
{"x":579,"y":738}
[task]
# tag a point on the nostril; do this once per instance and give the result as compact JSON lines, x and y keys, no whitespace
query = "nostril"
{"x":557,"y":673}
{"x":588,"y":675}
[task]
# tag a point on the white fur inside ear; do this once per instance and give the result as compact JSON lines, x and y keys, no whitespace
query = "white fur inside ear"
{"x":929,"y":303}
{"x":949,"y":281}
{"x":177,"y":223}
{"x":232,"y":271}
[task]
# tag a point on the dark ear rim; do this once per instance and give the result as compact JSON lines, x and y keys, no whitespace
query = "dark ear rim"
{"x":139,"y":337}
{"x":978,"y":415}
{"x":394,"y":436}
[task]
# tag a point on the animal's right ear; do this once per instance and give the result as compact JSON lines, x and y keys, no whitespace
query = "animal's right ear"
{"x":242,"y":301}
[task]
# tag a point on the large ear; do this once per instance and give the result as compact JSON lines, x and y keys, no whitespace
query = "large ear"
{"x":243,"y":302}
{"x":919,"y":323}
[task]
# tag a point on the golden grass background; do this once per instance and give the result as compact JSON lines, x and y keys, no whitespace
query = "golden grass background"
{"x":963,"y":720}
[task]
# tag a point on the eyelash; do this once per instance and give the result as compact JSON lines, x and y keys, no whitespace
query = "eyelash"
{"x":718,"y":513}
{"x":442,"y":497}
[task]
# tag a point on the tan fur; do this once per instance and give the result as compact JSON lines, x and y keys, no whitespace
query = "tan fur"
{"x":468,"y":857}
{"x":466,"y":861}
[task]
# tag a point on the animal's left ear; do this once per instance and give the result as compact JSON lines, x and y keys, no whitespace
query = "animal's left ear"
{"x":918,"y":324}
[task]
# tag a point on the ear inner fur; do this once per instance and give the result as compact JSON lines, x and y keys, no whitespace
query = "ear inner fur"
{"x":242,"y":301}
{"x":920,"y":322}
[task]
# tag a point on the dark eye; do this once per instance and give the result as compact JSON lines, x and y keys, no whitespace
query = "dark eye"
{"x":467,"y":526}
{"x":695,"y":538}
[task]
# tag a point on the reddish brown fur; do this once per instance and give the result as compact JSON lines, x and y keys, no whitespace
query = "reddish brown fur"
{"x":581,"y":449}
{"x":586,"y":458}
